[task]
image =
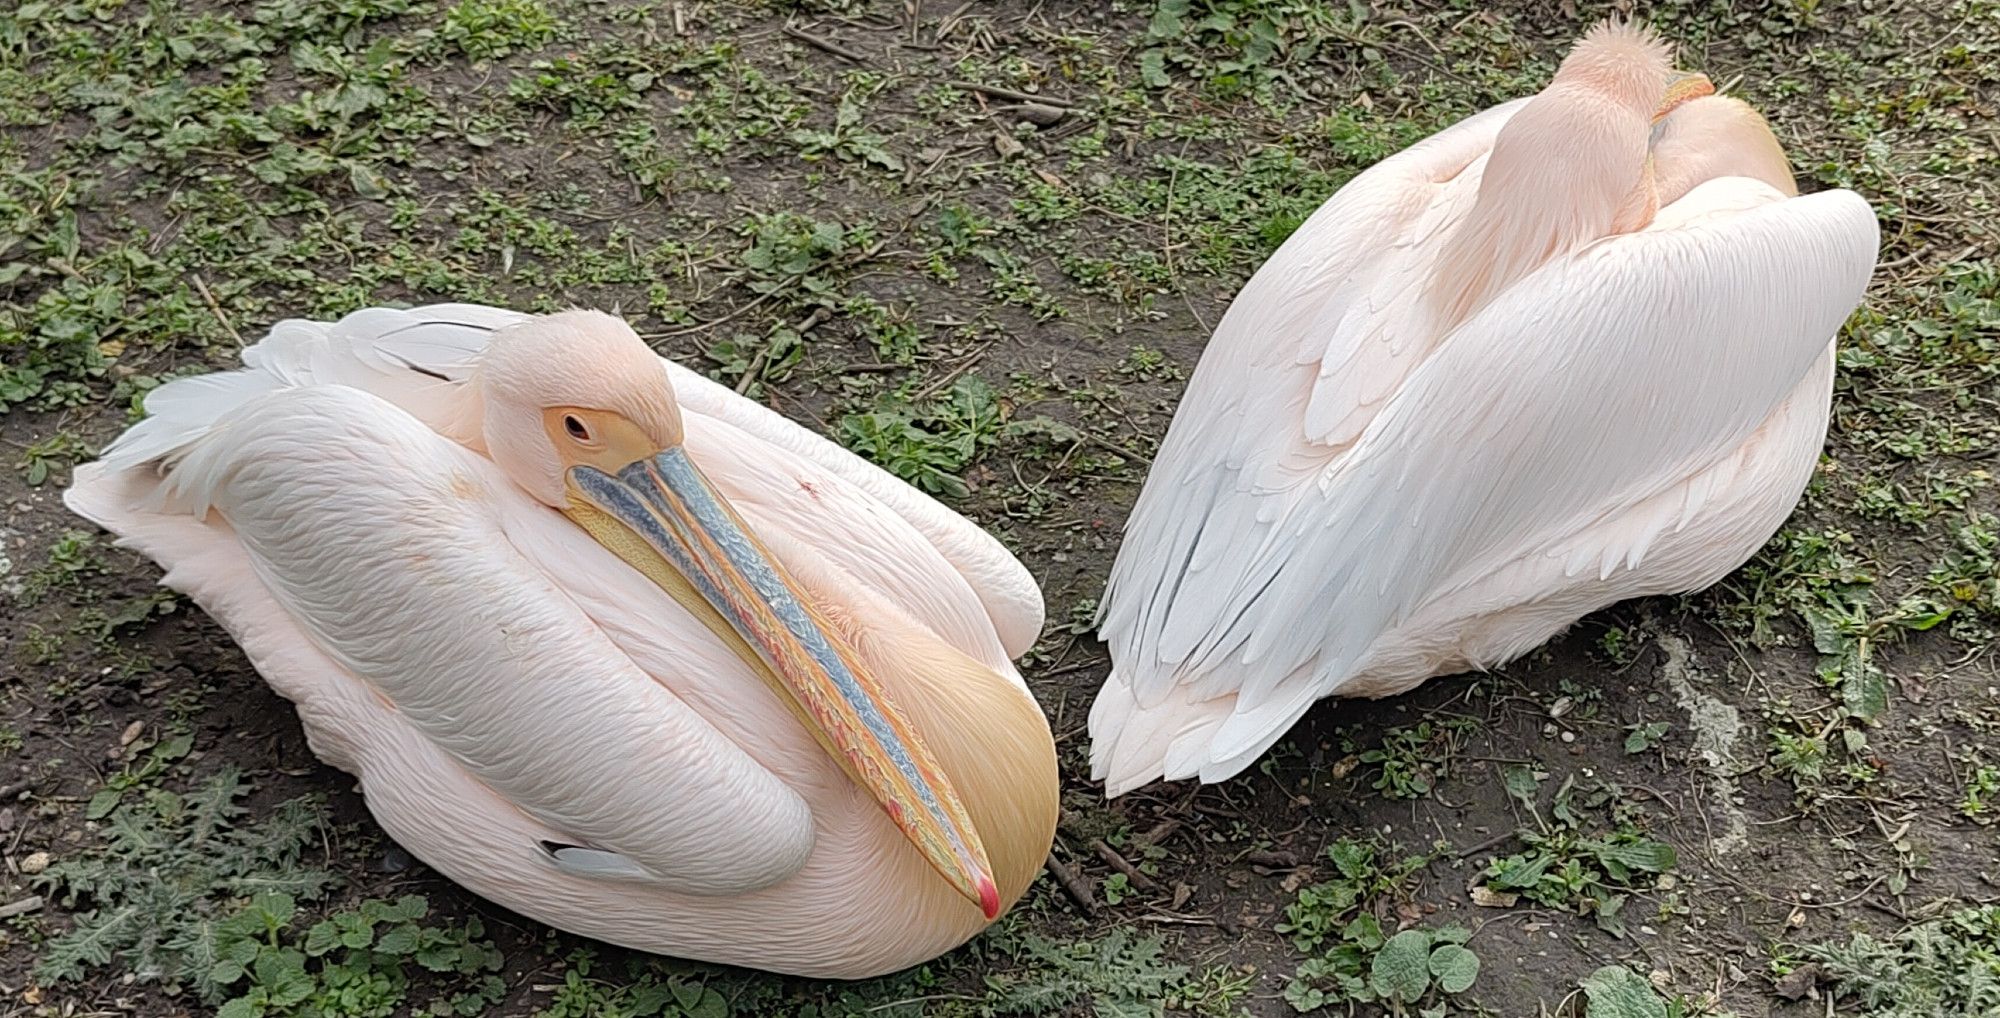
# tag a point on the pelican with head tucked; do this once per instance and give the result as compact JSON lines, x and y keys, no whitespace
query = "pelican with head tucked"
{"x":1573,"y":350}
{"x":750,"y":702}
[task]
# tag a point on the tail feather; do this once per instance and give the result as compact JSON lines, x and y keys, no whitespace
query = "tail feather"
{"x":181,"y":412}
{"x":1188,"y":734}
{"x":1133,"y":745}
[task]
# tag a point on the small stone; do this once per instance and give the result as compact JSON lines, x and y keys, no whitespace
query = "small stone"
{"x":394,"y":860}
{"x":1561,"y":706}
{"x":1486,"y":897}
{"x":1007,"y":145}
{"x":1799,"y":983}
{"x":1042,"y":114}
{"x":1568,"y":736}
{"x":131,"y":733}
{"x":35,"y":863}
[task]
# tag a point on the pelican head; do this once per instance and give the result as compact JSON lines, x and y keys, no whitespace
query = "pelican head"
{"x":581,"y":415}
{"x":1629,"y":64}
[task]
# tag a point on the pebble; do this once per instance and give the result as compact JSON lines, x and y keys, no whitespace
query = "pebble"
{"x":35,"y":863}
{"x":1042,"y":114}
{"x":394,"y":860}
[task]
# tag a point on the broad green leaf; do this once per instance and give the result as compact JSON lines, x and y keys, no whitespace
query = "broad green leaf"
{"x":281,"y":972}
{"x":1519,"y":871}
{"x":1354,"y":859}
{"x":1864,"y":690}
{"x":1645,"y":737}
{"x":1645,"y":856}
{"x":1615,"y":991}
{"x":1365,"y":931}
{"x":1522,"y":783}
{"x":711,"y":1005}
{"x":407,"y":908}
{"x":686,"y":995}
{"x":273,"y":908}
{"x":1454,"y":967}
{"x":400,"y":940}
{"x":241,"y":1007}
{"x":1401,"y":970}
{"x":102,"y":804}
{"x":323,"y":937}
{"x":1610,"y":915}
{"x":367,"y":182}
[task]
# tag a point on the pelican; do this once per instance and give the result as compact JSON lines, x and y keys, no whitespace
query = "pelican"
{"x":605,"y":642}
{"x":1575,"y":349}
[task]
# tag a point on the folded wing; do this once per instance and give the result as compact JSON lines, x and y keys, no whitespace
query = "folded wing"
{"x":1597,"y":383}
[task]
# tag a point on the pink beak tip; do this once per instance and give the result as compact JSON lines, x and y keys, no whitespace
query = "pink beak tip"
{"x":989,"y":898}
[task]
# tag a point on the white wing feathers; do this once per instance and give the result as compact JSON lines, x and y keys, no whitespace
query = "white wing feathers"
{"x":1597,"y":383}
{"x":407,"y":357}
{"x":1294,"y":345}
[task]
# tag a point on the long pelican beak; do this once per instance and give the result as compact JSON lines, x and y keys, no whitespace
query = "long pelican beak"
{"x":666,"y":519}
{"x":1680,"y":90}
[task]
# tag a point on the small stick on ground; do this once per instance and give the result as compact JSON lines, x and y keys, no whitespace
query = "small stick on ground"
{"x":1119,"y":863}
{"x":1273,"y":860}
{"x":31,"y":903}
{"x":1008,"y":93}
{"x":1160,"y":832}
{"x":1484,"y":845}
{"x":756,"y":368}
{"x":951,"y":375}
{"x":821,"y":42}
{"x":215,"y":308}
{"x":1078,"y":891}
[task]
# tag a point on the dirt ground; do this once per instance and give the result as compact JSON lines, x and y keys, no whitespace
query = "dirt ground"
{"x":983,"y":244}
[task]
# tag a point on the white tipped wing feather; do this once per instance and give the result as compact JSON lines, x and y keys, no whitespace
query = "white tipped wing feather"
{"x":1592,"y":386}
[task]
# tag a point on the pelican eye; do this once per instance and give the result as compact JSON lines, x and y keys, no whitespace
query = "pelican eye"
{"x":576,"y":428}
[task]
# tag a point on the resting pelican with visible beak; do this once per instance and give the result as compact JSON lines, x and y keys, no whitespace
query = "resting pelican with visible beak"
{"x":604,"y":642}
